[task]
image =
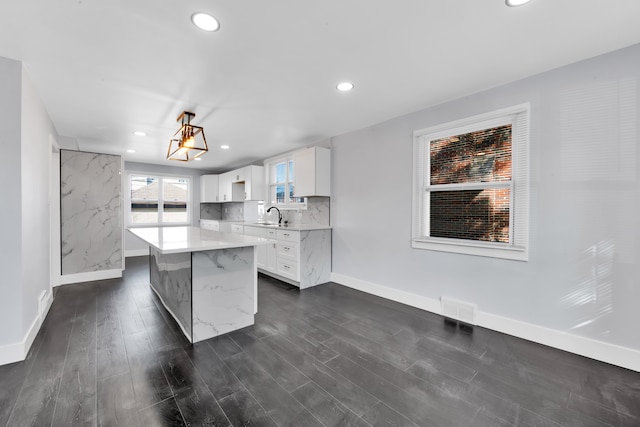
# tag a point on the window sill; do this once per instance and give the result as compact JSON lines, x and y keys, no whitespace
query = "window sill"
{"x":467,"y":247}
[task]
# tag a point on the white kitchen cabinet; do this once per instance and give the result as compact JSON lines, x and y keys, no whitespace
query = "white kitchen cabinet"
{"x":237,"y":228}
{"x":229,"y":190}
{"x":210,"y":224}
{"x":299,"y":257}
{"x":254,"y":188}
{"x":312,"y":175}
{"x":209,"y":188}
{"x":266,"y":253}
{"x":238,"y":175}
{"x":242,"y":184}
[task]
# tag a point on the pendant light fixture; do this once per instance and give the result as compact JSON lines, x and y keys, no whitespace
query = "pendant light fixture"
{"x":188,"y":142}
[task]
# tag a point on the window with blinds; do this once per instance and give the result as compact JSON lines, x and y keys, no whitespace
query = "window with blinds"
{"x":471,"y":185}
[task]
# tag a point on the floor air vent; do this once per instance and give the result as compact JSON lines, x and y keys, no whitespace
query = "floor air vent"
{"x":458,"y":310}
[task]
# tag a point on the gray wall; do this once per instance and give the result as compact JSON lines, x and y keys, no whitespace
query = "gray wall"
{"x":38,"y":134}
{"x":11,"y":323}
{"x":132,"y":243}
{"x":27,"y":133}
{"x":582,"y":276}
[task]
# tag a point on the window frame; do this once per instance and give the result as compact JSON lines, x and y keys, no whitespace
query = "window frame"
{"x":270,"y":164}
{"x":160,"y":223}
{"x":518,"y":247}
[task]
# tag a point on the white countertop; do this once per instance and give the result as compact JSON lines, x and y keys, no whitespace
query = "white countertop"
{"x":300,"y":227}
{"x":171,"y":240}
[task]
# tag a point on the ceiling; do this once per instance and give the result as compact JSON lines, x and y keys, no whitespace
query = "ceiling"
{"x":265,"y":82}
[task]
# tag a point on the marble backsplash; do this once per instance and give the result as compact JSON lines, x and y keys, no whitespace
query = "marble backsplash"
{"x":317,"y":213}
{"x":230,"y":211}
{"x":90,"y":212}
{"x":210,"y":211}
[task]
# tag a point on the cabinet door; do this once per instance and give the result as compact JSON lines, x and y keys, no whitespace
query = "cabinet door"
{"x":262,"y":256}
{"x":209,"y":188}
{"x":238,"y":175}
{"x":225,"y":187}
{"x":254,"y":183}
{"x":312,"y":176}
{"x":272,"y":256}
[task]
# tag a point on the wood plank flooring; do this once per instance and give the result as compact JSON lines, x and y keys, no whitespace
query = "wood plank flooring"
{"x":109,"y":354}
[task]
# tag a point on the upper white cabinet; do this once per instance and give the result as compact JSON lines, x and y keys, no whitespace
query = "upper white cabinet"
{"x":312,"y":172}
{"x":209,"y":188}
{"x":242,"y":184}
{"x":253,"y":182}
{"x":230,"y":191}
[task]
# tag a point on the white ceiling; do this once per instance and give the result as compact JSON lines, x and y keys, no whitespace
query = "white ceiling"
{"x":265,"y":82}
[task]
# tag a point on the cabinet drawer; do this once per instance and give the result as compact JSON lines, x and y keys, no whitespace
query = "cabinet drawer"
{"x":270,"y":233}
{"x":288,"y":250}
{"x":255,"y":231}
{"x":288,"y":269}
{"x":288,"y":235}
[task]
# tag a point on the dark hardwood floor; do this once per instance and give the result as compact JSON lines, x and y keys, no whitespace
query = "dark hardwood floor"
{"x":109,"y":354}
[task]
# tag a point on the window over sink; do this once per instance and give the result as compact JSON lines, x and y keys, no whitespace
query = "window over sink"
{"x":280,"y":178}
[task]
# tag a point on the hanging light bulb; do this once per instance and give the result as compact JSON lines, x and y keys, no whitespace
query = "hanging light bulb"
{"x":188,"y":142}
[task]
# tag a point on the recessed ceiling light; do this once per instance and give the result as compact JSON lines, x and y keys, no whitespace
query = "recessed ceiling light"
{"x":224,"y":147}
{"x":131,"y":151}
{"x":205,"y":22}
{"x":344,"y":86}
{"x":139,"y":133}
{"x":514,"y":3}
{"x":197,"y":159}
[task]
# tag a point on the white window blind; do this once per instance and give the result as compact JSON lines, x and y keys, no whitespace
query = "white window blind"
{"x":424,"y":235}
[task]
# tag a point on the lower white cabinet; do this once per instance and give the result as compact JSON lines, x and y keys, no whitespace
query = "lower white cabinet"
{"x":210,"y":224}
{"x":301,"y":258}
{"x":222,"y":226}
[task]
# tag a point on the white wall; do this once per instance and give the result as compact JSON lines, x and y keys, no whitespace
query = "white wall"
{"x":580,"y":285}
{"x":27,"y":134}
{"x":134,"y":246}
{"x":11,"y":325}
{"x":37,"y":133}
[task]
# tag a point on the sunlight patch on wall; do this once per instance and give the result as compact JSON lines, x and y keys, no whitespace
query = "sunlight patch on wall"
{"x":598,"y":131}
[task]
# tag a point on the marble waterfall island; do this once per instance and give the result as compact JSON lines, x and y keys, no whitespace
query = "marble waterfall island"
{"x":207,"y":280}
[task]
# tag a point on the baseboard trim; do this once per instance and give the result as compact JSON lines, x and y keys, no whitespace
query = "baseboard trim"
{"x":89,"y":276}
{"x":136,"y":252}
{"x":18,"y":351}
{"x":423,"y":303}
{"x":605,"y":352}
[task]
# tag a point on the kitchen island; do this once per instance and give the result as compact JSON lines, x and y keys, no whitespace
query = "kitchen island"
{"x":207,"y":280}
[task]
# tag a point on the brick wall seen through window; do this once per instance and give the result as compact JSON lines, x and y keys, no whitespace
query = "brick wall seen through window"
{"x":479,"y":214}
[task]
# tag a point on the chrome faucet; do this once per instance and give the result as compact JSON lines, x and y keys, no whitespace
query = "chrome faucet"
{"x":279,"y":214}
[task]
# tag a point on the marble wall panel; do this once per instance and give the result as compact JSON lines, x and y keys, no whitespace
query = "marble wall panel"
{"x":317,"y":213}
{"x":223,"y":291}
{"x":170,"y":276}
{"x":315,"y":257}
{"x":90,"y":212}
